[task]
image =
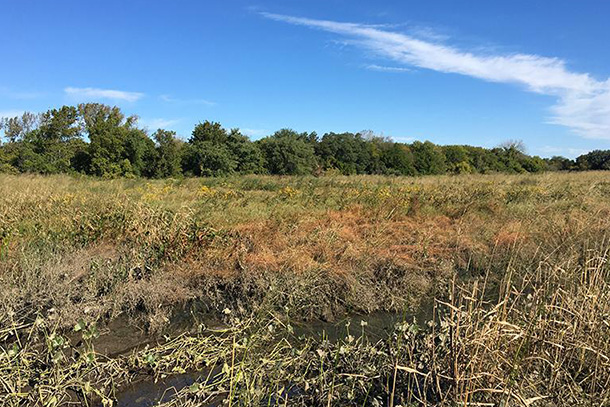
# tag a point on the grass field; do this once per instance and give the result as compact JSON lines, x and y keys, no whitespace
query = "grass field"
{"x":518,"y":265}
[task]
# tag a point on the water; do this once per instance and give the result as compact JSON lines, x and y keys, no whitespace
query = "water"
{"x":375,"y":326}
{"x":122,"y":335}
{"x":146,"y":392}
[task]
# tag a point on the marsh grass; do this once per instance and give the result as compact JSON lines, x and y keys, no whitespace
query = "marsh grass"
{"x":543,"y":340}
{"x":518,"y":264}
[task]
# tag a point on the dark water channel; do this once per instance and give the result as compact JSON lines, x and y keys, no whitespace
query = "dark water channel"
{"x":120,"y":338}
{"x":148,"y":393}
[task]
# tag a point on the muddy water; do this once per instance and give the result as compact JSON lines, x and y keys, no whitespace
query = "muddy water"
{"x":374,"y":326}
{"x":123,"y":335}
{"x":146,"y":392}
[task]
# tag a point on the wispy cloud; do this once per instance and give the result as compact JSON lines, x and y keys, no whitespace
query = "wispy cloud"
{"x":96,"y":93}
{"x":564,"y":151}
{"x":383,"y":68}
{"x":403,"y":139}
{"x":158,"y":123}
{"x":255,"y":132}
{"x":169,"y":99}
{"x":583,"y":102}
{"x":426,"y":33}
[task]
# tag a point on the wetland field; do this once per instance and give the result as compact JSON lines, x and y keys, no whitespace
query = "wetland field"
{"x":450,"y":290}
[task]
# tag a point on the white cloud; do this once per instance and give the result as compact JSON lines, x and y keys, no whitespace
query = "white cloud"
{"x":169,"y":99}
{"x":383,"y":68}
{"x":96,"y":93}
{"x":403,"y":139}
{"x":158,"y":123}
{"x":255,"y":132}
{"x":564,"y":151}
{"x":583,"y":103}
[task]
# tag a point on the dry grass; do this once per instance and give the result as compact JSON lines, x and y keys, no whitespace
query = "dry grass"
{"x":72,"y":244}
{"x":519,"y":265}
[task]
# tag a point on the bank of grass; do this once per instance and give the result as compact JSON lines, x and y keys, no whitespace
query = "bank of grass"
{"x":90,"y":249}
{"x":544,"y":340}
{"x":518,"y":265}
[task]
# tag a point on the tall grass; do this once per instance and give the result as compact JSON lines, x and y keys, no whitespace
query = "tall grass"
{"x":518,"y":265}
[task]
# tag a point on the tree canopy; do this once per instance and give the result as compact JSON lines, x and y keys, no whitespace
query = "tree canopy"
{"x":100,"y":140}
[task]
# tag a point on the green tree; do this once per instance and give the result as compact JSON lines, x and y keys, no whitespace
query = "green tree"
{"x":15,"y":128}
{"x":208,"y":152}
{"x":558,"y":163}
{"x":346,"y":152}
{"x":429,"y":158}
{"x":140,"y":152}
{"x":117,"y":147}
{"x":376,"y":146}
{"x":44,"y":143}
{"x":209,"y":131}
{"x":206,"y":158}
{"x":247,"y":154}
{"x":457,"y":159}
{"x":532,"y":164}
{"x":286,"y":153}
{"x":167,"y":160}
{"x":511,"y":154}
{"x":6,"y":165}
{"x":595,"y":160}
{"x":398,"y":160}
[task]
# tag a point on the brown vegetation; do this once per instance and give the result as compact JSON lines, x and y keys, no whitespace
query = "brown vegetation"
{"x":518,"y":264}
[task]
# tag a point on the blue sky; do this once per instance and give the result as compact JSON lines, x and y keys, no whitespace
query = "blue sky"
{"x":454,"y":72}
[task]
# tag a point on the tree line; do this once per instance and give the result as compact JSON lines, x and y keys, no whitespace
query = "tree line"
{"x":100,"y":140}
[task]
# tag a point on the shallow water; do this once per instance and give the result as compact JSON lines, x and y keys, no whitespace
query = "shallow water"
{"x":123,"y":335}
{"x":145,"y":393}
{"x":375,"y":326}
